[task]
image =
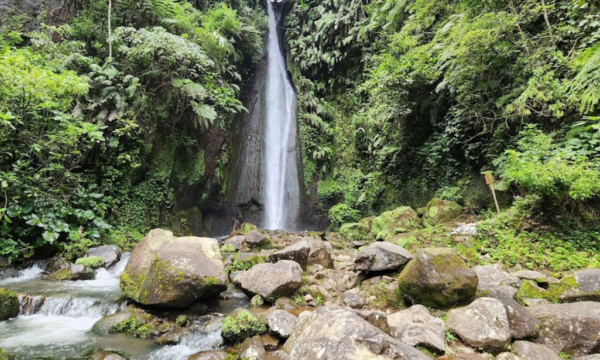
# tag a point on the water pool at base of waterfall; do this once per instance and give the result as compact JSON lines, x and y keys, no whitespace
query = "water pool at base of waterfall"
{"x":57,"y":317}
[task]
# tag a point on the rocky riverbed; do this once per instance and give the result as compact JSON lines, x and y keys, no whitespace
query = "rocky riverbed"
{"x":276,"y":295}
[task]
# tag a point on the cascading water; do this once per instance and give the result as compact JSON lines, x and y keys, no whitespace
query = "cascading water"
{"x":281,"y":188}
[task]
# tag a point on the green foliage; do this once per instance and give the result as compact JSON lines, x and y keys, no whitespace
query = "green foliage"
{"x":243,"y":265}
{"x":241,"y":325}
{"x":451,"y":193}
{"x":181,"y":320}
{"x":92,"y":261}
{"x":228,"y":248}
{"x":341,"y":214}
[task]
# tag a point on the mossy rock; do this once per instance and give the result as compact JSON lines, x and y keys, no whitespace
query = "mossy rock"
{"x":5,"y":356}
{"x":242,"y":324}
{"x":437,"y":277}
{"x":246,"y":228}
{"x":355,"y":231}
{"x":440,"y":211}
{"x":9,"y":304}
{"x":94,"y":262}
{"x":244,"y":261}
{"x":391,"y":223}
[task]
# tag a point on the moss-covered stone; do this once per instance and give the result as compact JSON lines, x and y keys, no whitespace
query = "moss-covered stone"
{"x":396,"y":221}
{"x":9,"y":304}
{"x":242,"y":324}
{"x":94,"y":262}
{"x":440,"y":211}
{"x":5,"y":356}
{"x":437,"y":277}
{"x":355,"y":231}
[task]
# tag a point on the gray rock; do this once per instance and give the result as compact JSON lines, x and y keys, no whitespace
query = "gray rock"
{"x":255,"y":238}
{"x":571,"y":328}
{"x":111,"y":254}
{"x":320,"y":252}
{"x":376,"y":318}
{"x":298,"y":252}
{"x":532,"y":351}
{"x":493,"y":276}
{"x":587,"y":286}
{"x":470,"y":356}
{"x":253,"y":349}
{"x":172,"y":337}
{"x":381,"y":256}
{"x":105,"y":355}
{"x":238,"y":242}
{"x":281,"y":323}
{"x":437,"y":277}
{"x":531,"y":275}
{"x":277,"y":355}
{"x":168,"y":271}
{"x":209,"y":355}
{"x":352,"y":299}
{"x":482,"y":324}
{"x":522,"y":323}
{"x":270,"y":280}
{"x":508,"y":356}
{"x":416,"y":326}
{"x":589,"y":357}
{"x":332,"y":332}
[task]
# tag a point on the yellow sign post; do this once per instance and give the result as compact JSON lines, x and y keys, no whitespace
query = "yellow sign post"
{"x":489,"y":179}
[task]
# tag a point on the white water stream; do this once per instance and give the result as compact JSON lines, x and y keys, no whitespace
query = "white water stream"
{"x":281,"y":188}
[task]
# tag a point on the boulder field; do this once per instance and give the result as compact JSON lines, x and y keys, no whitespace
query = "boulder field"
{"x":315,"y":296}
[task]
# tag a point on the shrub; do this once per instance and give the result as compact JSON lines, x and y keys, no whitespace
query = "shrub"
{"x":242,"y":324}
{"x":341,"y":214}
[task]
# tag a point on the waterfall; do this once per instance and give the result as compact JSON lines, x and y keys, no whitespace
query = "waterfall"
{"x":281,"y":188}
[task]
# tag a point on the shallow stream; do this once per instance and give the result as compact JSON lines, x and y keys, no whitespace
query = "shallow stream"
{"x":56,"y":320}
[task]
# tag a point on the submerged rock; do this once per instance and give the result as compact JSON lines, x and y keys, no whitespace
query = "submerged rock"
{"x":9,"y":304}
{"x":396,"y":221}
{"x":111,"y":254}
{"x":173,"y":272}
{"x":381,"y":256}
{"x":437,"y":277}
{"x":332,"y":332}
{"x":270,"y":280}
{"x":416,"y":326}
{"x":570,"y":328}
{"x":105,"y":355}
{"x":209,"y":355}
{"x":482,"y":324}
{"x":68,"y":271}
{"x":440,"y":211}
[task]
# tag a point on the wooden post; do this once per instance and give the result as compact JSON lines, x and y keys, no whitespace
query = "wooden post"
{"x":489,"y":179}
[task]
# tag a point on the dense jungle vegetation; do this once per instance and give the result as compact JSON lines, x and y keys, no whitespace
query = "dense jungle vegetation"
{"x":399,"y":100}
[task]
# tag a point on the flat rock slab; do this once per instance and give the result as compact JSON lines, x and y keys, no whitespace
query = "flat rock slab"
{"x":570,"y":328}
{"x":493,"y":276}
{"x":482,"y":324}
{"x":532,"y":351}
{"x":586,"y":286}
{"x":531,"y":275}
{"x":270,"y":281}
{"x":416,"y":326}
{"x":381,"y":256}
{"x":332,"y":332}
{"x":298,"y":252}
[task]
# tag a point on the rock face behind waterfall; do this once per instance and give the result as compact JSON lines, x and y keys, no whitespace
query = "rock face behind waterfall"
{"x":168,"y":271}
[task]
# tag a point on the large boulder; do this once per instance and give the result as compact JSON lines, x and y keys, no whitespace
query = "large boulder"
{"x":111,"y":254}
{"x":320,"y":252}
{"x":298,"y":252}
{"x":531,"y":351}
{"x":584,"y":285}
{"x":416,"y":326}
{"x":270,"y":281}
{"x":281,"y":323}
{"x":440,"y":211}
{"x":9,"y":304}
{"x":570,"y":328}
{"x":335,"y":333}
{"x":482,"y":324}
{"x":381,"y":256}
{"x":522,"y":323}
{"x":394,"y":222}
{"x":173,"y":272}
{"x":437,"y":277}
